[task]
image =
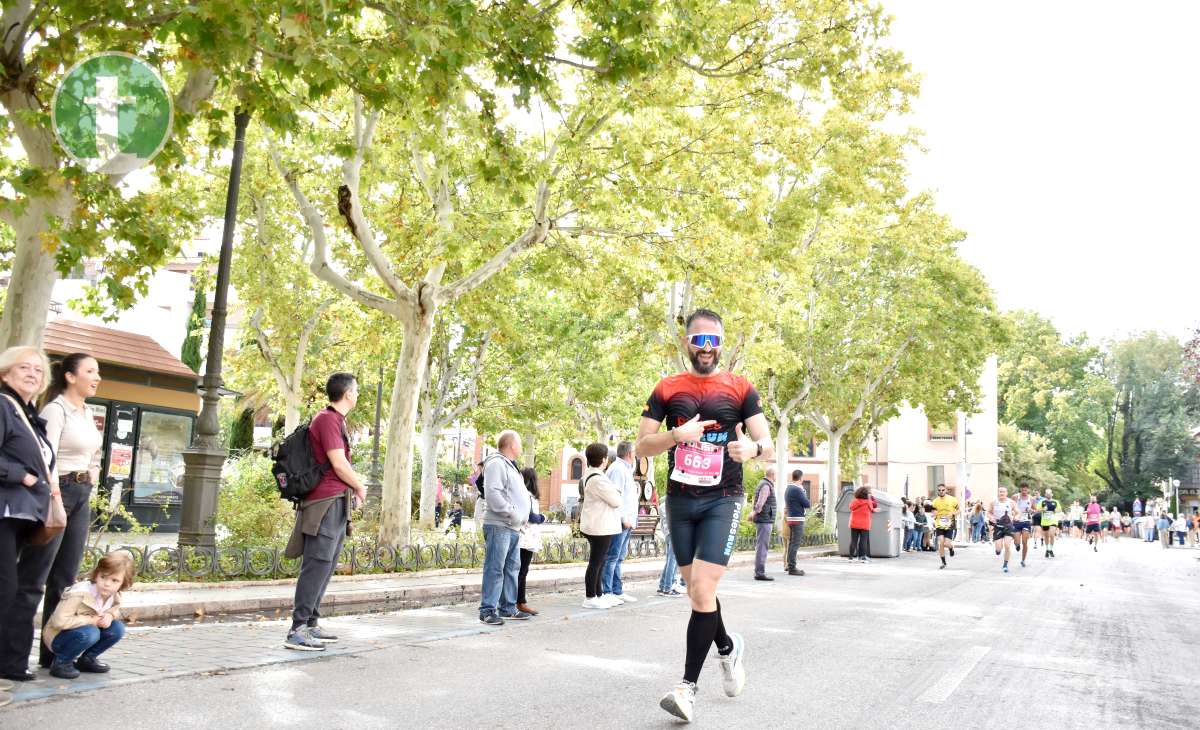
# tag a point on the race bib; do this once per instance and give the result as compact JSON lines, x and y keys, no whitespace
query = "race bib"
{"x":944,"y":521}
{"x":698,"y":465}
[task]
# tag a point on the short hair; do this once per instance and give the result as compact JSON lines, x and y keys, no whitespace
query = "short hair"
{"x":862,"y":492}
{"x":114,"y":562}
{"x":769,"y":471}
{"x":703,"y":314}
{"x":338,"y":385}
{"x":1023,"y":485}
{"x":941,"y":484}
{"x":595,"y":454}
{"x":796,"y":475}
{"x":10,"y":357}
{"x":505,"y":439}
{"x":624,"y":449}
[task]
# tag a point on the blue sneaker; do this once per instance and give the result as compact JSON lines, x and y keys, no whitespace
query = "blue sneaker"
{"x":491,"y":619}
{"x":516,"y":615}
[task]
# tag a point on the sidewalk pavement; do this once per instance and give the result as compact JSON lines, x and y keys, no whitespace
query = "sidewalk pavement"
{"x":164,"y":601}
{"x":219,"y":646}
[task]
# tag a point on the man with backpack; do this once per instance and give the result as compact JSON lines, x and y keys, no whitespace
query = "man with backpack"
{"x":323,"y":516}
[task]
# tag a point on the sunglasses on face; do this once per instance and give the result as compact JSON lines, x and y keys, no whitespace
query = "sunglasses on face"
{"x":704,"y":339}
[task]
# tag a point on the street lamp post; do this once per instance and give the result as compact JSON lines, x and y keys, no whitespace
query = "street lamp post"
{"x":204,"y":460}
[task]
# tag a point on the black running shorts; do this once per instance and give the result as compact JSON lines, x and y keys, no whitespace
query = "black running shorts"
{"x":1094,"y":527}
{"x":703,"y":528}
{"x":946,"y":532}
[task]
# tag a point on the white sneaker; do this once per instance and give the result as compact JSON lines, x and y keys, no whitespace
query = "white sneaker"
{"x":626,"y":598}
{"x":680,"y":700}
{"x":596,"y":602}
{"x":612,"y":599}
{"x":733,"y":668}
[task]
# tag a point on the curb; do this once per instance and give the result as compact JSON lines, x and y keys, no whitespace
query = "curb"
{"x":393,"y":597}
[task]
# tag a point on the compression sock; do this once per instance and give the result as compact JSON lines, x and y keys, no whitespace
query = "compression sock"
{"x":722,"y":640}
{"x":702,"y":627}
{"x":943,"y":561}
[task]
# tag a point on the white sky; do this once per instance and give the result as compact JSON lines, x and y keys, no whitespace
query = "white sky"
{"x":1062,"y":136}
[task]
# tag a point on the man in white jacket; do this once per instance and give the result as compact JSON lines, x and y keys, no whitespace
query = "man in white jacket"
{"x":620,"y":473}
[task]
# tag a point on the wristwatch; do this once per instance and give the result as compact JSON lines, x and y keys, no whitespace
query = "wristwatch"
{"x":759,"y":450}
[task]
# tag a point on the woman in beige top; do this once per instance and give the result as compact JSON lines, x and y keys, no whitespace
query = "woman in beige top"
{"x":76,"y":442}
{"x":599,"y":520}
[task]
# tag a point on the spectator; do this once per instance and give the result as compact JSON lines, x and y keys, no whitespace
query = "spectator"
{"x":927,"y":530}
{"x":26,"y":466}
{"x":1147,"y":527}
{"x":861,"y":508}
{"x":1179,"y":527}
{"x":978,"y":521}
{"x":87,"y":621}
{"x":599,"y":521}
{"x":323,"y":519}
{"x":531,"y":538}
{"x":72,"y":434}
{"x":670,"y":571}
{"x":762,"y":514}
{"x":920,"y":525}
{"x":1164,"y":528}
{"x":1114,"y":523}
{"x":620,"y":473}
{"x":910,"y":525}
{"x":795,"y":501}
{"x":1195,"y":527}
{"x":437,"y":504}
{"x":454,"y":519}
{"x":506,"y":510}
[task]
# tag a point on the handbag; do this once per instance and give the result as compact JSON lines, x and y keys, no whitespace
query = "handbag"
{"x":56,"y":513}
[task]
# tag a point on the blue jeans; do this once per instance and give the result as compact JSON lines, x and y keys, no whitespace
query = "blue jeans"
{"x":88,"y":641}
{"x":912,"y":539}
{"x":670,"y":568}
{"x":977,"y":532}
{"x":610,"y":577}
{"x":501,"y":564}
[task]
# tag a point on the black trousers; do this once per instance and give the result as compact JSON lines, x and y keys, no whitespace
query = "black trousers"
{"x":526,"y":559}
{"x":22,"y":580}
{"x":795,"y":537}
{"x":595,"y":566}
{"x":860,"y":543}
{"x":65,"y":552}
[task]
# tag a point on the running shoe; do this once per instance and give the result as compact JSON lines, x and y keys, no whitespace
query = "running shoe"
{"x":302,"y":640}
{"x":1022,"y":563}
{"x":680,"y":700}
{"x":321,"y":635}
{"x":611,"y":599}
{"x":596,"y":602}
{"x":733,"y":667}
{"x":951,"y":551}
{"x":626,"y":598}
{"x":1006,"y":567}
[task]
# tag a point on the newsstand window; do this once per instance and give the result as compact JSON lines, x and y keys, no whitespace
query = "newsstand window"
{"x":158,"y":472}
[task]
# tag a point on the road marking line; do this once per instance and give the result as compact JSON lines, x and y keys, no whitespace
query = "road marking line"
{"x":954,"y":675}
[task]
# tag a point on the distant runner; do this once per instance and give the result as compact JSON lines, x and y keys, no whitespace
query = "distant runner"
{"x":1093,"y":512}
{"x":945,"y":508}
{"x":1000,"y":514}
{"x":1050,"y":516}
{"x":1023,"y":522}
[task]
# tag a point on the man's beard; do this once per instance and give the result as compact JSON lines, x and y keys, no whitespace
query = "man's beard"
{"x":705,"y":369}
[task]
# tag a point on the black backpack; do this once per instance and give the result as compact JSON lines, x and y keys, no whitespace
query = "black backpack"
{"x":296,"y":470}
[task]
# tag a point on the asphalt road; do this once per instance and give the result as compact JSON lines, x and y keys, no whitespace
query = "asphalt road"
{"x":1107,"y":639}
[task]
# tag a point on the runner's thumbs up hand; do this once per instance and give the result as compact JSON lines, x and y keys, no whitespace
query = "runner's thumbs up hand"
{"x":692,"y":430}
{"x":743,"y":448}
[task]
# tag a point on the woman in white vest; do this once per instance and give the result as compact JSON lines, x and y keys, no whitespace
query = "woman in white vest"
{"x":599,"y":520}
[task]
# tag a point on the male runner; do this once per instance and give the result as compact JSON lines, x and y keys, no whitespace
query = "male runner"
{"x":1049,"y":518}
{"x":1023,"y":522}
{"x":704,"y":409}
{"x":1076,"y":517}
{"x":945,"y":508}
{"x":1093,"y":523}
{"x":1000,"y":514}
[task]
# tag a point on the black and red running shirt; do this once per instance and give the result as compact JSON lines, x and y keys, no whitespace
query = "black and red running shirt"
{"x":725,"y":398}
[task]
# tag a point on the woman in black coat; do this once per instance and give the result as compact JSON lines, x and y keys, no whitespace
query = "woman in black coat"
{"x":26,"y":461}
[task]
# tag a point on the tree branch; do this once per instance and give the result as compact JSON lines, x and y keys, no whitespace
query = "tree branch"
{"x":351,"y":206}
{"x":302,"y":344}
{"x":320,"y":262}
{"x":264,"y":348}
